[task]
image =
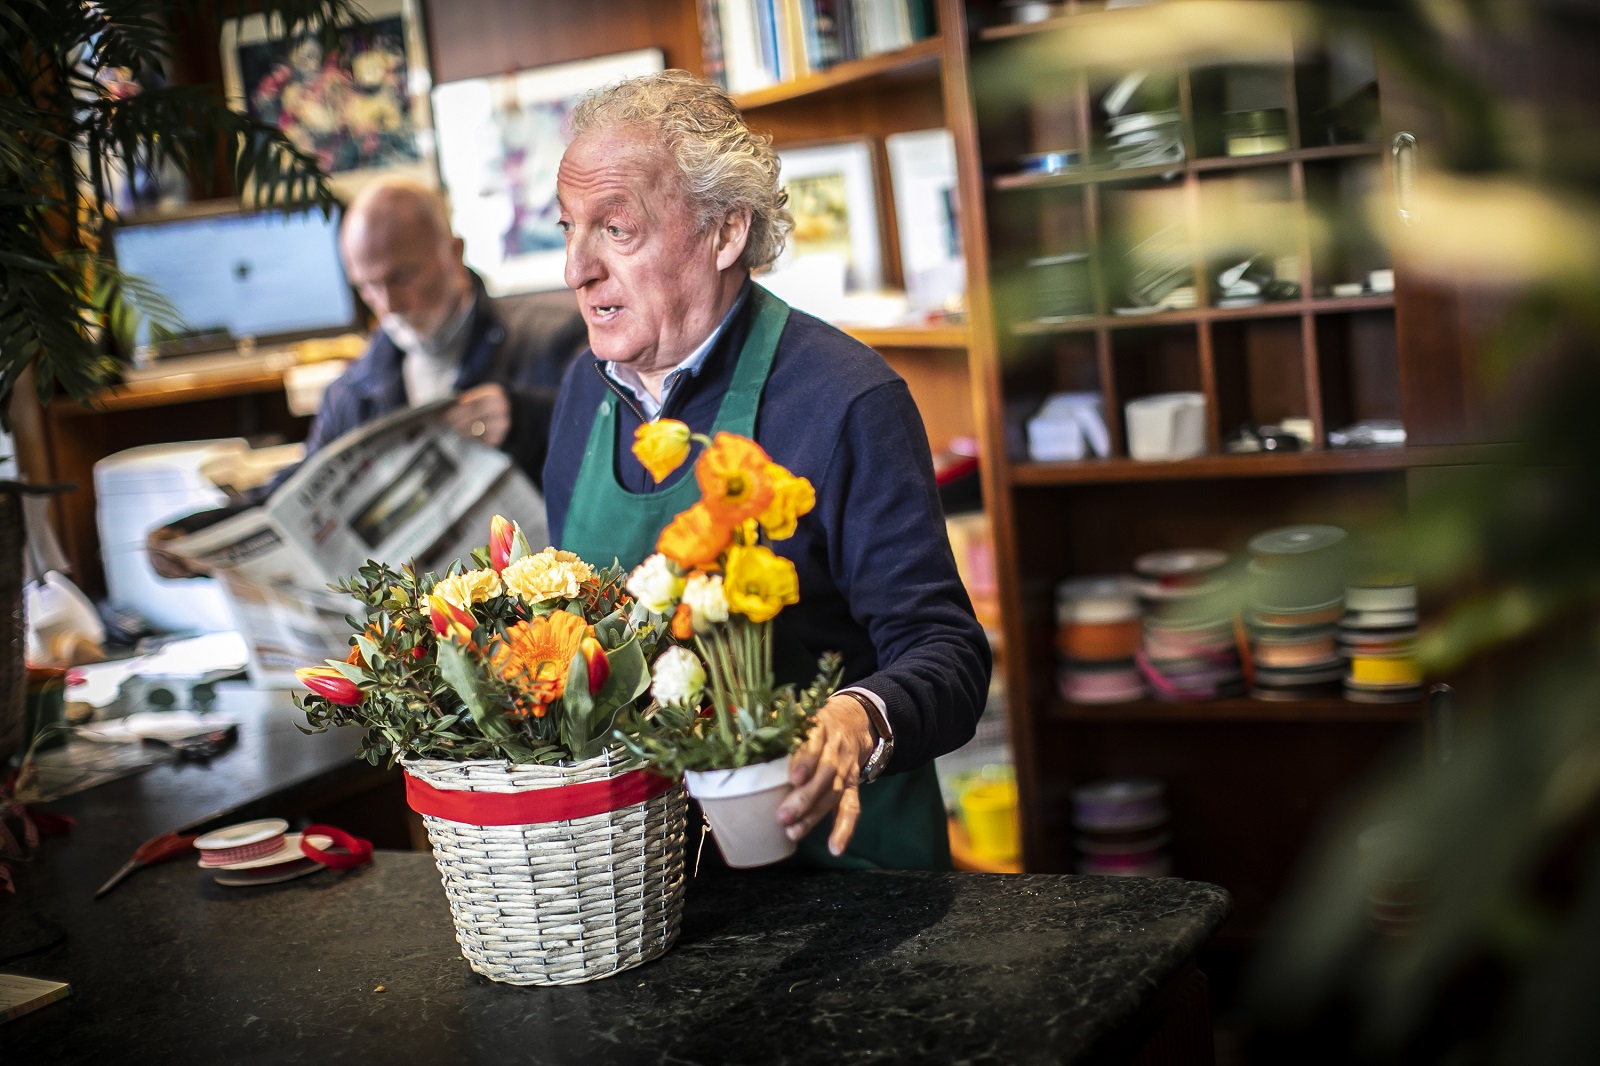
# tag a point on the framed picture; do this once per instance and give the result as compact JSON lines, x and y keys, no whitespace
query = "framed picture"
{"x":833,"y":198}
{"x":922,"y":172}
{"x":361,"y":108}
{"x":500,"y":142}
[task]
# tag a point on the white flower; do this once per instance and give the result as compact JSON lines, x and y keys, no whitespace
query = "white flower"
{"x":656,"y":584}
{"x":707,"y":604}
{"x":551,"y":574}
{"x":677,"y":677}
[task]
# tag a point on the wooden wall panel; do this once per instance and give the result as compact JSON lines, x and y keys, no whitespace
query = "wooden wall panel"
{"x":477,"y":38}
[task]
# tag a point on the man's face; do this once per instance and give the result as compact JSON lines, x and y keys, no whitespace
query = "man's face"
{"x":409,"y":275}
{"x":646,"y":277}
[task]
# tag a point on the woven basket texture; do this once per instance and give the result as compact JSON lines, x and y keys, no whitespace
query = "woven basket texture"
{"x":558,"y":903}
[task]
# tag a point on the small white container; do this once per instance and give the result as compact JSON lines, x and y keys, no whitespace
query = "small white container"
{"x":742,"y":807}
{"x":1167,"y":426}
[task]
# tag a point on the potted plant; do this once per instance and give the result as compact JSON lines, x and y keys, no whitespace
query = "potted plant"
{"x":85,"y":98}
{"x":719,"y":718}
{"x":501,"y":686}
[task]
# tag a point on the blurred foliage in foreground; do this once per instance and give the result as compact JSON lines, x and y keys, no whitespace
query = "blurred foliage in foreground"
{"x":1490,"y":857}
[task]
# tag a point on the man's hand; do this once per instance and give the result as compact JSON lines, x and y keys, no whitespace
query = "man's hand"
{"x":481,"y":414}
{"x":826,"y":773}
{"x":163,"y":562}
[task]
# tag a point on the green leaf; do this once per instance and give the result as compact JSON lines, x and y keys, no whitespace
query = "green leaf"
{"x":519,"y":544}
{"x":464,"y":677}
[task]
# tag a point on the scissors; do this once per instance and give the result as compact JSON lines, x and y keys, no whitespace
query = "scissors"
{"x":156,"y":849}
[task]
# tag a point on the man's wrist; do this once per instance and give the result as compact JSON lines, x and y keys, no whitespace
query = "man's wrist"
{"x":882,"y":733}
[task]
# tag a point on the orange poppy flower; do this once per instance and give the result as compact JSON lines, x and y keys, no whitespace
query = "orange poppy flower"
{"x":535,"y":657}
{"x":695,"y":538}
{"x":735,"y":484}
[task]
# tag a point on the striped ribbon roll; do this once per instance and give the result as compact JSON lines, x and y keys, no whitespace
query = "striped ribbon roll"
{"x":241,"y":853}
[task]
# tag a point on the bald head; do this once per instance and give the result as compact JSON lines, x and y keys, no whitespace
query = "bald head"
{"x":401,"y":256}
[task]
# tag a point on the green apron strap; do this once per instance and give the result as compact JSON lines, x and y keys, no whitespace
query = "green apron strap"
{"x":605,"y":521}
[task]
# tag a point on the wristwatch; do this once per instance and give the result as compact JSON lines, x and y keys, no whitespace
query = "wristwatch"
{"x":879,"y":759}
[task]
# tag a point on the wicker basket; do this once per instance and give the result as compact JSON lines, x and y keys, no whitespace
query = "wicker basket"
{"x":558,"y":902}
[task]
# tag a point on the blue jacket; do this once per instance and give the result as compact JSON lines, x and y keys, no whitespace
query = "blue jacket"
{"x":522,"y":343}
{"x":877,"y":580}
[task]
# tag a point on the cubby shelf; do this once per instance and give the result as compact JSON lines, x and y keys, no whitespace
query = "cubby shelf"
{"x":1273,"y":309}
{"x":1286,"y":464}
{"x":1325,"y":710}
{"x":921,"y":58}
{"x":1101,"y":175}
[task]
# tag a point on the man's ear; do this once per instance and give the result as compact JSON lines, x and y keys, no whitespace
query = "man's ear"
{"x":732,"y":236}
{"x":458,"y":250}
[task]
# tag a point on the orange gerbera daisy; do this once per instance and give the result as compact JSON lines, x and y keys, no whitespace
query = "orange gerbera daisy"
{"x":535,"y":656}
{"x":734,"y":482}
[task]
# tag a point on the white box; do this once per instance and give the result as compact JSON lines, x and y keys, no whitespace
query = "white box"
{"x":1169,"y":425}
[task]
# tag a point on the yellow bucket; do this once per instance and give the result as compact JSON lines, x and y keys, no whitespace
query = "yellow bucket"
{"x":989,"y":811}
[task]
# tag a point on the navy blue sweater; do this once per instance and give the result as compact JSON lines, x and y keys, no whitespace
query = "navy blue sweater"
{"x":877,"y":580}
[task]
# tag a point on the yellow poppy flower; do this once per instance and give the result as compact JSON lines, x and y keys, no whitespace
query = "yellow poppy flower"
{"x":694,"y":539}
{"x":791,"y":497}
{"x":661,"y":446}
{"x":759,"y":584}
{"x":734,"y":484}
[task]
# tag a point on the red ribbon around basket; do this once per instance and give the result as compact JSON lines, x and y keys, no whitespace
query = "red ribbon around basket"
{"x":356,"y":850}
{"x":535,"y":805}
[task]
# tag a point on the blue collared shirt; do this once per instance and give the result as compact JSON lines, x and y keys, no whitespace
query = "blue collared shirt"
{"x":649,"y":405}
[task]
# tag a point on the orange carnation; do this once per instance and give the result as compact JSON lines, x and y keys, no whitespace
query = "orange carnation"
{"x":735,"y":484}
{"x":535,"y":656}
{"x":695,"y":538}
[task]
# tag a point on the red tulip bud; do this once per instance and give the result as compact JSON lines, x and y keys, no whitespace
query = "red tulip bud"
{"x":330,"y":684}
{"x":448,"y":620}
{"x":502,"y":534}
{"x":599,"y":665}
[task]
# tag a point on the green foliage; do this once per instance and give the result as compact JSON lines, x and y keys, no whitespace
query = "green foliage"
{"x":440,"y":698}
{"x":763,"y":723}
{"x":62,"y":132}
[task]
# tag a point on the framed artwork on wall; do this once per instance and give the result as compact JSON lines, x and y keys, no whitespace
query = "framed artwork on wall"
{"x":922,"y":172}
{"x":361,"y":107}
{"x":834,"y":200}
{"x":500,"y":142}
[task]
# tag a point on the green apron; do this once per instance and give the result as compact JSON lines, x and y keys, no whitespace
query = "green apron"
{"x":902,"y":824}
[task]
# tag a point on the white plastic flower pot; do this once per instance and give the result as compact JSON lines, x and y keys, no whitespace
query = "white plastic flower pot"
{"x":742,"y":807}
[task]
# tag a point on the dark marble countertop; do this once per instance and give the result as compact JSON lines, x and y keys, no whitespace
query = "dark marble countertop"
{"x":771,"y":968}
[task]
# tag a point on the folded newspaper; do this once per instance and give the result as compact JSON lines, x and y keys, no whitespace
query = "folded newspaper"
{"x":401,"y":489}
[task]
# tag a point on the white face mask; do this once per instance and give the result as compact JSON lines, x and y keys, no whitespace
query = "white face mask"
{"x":425,"y":336}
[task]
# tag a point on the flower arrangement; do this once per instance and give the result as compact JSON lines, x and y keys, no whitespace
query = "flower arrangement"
{"x":534,"y":657}
{"x":716,"y":586}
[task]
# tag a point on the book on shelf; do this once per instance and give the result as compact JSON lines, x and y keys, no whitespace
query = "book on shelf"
{"x":752,"y":44}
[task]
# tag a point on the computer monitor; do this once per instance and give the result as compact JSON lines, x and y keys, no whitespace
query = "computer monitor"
{"x":233,"y":274}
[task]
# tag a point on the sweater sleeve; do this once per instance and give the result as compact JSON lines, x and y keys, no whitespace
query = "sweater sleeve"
{"x":528,"y":440}
{"x":890,"y":555}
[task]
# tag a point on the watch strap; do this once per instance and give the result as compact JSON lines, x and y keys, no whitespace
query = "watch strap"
{"x":884,"y":749}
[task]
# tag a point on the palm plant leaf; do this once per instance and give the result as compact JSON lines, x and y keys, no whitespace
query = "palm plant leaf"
{"x":63,"y":131}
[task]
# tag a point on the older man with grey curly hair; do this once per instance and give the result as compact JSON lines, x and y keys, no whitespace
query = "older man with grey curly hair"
{"x":669,"y":201}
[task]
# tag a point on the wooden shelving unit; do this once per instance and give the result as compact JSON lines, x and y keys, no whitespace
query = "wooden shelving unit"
{"x":952,"y":337}
{"x":1248,"y":780}
{"x":1242,"y":709}
{"x":1103,"y":175}
{"x":919,"y":59}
